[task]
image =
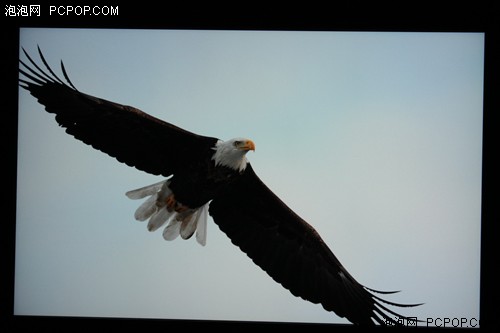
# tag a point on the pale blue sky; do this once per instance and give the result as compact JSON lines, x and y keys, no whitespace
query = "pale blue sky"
{"x":373,"y":138}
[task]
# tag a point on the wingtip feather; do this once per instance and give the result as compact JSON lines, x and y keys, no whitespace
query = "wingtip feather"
{"x":66,"y":76}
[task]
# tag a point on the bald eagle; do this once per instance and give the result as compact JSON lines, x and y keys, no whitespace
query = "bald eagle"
{"x":206,"y":175}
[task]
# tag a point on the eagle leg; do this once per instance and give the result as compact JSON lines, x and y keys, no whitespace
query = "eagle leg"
{"x":171,"y":202}
{"x":174,"y":205}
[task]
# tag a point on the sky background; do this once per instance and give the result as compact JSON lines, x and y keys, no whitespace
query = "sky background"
{"x":373,"y":138}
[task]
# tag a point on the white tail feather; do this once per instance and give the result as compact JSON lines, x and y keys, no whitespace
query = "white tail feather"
{"x":159,"y":219}
{"x":147,"y":208}
{"x":145,"y":191}
{"x":188,"y":226}
{"x":154,"y":208}
{"x":201,"y":230}
{"x":172,"y":230}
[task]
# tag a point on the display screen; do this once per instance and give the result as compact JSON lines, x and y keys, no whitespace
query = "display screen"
{"x":373,"y":138}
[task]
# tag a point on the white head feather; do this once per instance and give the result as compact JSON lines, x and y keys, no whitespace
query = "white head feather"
{"x":232,"y":153}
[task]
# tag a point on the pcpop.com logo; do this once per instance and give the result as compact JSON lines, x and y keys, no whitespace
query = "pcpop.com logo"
{"x":434,"y":322}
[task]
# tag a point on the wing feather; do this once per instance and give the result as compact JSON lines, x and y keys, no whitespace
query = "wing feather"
{"x":124,"y":132}
{"x":292,"y":252}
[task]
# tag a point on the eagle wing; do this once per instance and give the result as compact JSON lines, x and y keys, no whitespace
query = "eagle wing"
{"x":124,"y":132}
{"x":292,"y":252}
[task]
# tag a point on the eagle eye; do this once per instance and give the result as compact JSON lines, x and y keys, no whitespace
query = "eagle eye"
{"x":237,"y":143}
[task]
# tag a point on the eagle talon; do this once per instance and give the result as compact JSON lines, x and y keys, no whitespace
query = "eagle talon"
{"x":174,"y":205}
{"x":171,"y":203}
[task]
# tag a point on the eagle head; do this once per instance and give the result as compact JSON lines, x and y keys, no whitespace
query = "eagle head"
{"x":231,"y":153}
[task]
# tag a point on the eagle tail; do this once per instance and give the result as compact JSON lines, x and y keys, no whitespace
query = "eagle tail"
{"x":184,"y":223}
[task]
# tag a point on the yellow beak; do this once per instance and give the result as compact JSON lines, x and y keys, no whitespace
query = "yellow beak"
{"x":248,"y":145}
